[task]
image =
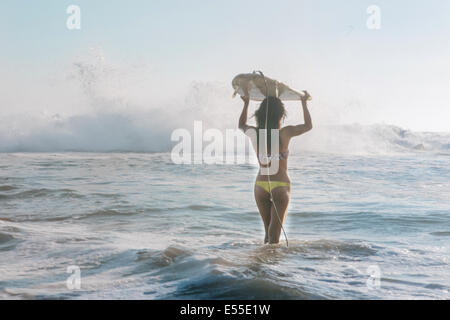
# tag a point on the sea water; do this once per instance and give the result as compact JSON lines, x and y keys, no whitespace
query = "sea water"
{"x":138,"y":226}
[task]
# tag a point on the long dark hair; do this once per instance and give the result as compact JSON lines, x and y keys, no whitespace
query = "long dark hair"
{"x":276,"y":113}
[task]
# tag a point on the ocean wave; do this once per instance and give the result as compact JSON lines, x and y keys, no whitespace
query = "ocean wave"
{"x":323,"y":246}
{"x":41,"y":193}
{"x":211,"y":285}
{"x":7,"y":242}
{"x":209,"y":277}
{"x":97,"y":105}
{"x":7,"y":188}
{"x":162,"y":258}
{"x":425,"y":285}
{"x":240,"y":270}
{"x":95,"y":214}
{"x":374,"y":139}
{"x":133,"y":133}
{"x":314,"y":250}
{"x":441,"y":233}
{"x":5,"y":237}
{"x":199,"y":207}
{"x":109,"y":213}
{"x":354,"y":220}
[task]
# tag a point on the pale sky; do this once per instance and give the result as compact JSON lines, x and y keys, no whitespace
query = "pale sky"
{"x":399,"y":74}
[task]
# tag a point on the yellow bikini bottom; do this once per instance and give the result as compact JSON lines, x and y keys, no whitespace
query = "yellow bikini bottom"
{"x":273,"y":184}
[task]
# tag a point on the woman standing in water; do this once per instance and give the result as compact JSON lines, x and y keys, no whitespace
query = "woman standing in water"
{"x":278,"y":183}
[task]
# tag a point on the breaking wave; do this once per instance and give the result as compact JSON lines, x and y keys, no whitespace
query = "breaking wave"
{"x":143,"y":133}
{"x":99,"y":106}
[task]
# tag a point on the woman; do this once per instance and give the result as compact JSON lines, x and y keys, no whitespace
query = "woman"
{"x":279,"y":184}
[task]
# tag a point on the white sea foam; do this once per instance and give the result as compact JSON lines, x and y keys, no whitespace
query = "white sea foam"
{"x":98,"y":105}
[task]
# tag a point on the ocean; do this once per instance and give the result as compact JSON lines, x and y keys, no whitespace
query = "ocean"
{"x":93,"y":205}
{"x":134,"y":225}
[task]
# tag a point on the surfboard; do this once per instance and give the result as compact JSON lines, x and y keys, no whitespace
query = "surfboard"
{"x":253,"y":85}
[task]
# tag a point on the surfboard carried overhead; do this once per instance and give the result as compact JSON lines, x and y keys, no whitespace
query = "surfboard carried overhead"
{"x":253,"y":85}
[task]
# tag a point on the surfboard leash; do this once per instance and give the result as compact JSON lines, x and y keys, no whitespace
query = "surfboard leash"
{"x":267,"y":147}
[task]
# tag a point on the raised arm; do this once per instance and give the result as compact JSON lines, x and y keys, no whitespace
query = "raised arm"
{"x":243,"y":118}
{"x":297,"y":130}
